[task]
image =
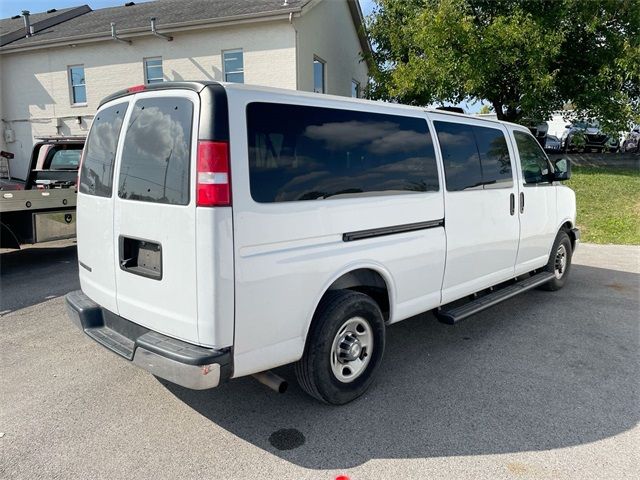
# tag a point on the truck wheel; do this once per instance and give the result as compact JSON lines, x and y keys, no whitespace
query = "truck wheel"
{"x":344,"y":347}
{"x":559,"y":262}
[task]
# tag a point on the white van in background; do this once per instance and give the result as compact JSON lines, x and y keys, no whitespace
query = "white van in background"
{"x":224,"y":229}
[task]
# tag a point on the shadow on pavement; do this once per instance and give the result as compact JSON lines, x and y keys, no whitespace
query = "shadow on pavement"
{"x":33,"y":275}
{"x":541,"y":371}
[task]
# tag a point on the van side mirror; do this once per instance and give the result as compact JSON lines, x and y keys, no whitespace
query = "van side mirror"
{"x":562,"y":170}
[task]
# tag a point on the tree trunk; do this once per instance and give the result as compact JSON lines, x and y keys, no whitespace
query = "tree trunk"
{"x":497,"y":107}
{"x":511,"y":115}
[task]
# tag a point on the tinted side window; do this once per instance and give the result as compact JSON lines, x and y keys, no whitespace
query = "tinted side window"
{"x":494,"y":157}
{"x":306,"y":153}
{"x":459,"y":155}
{"x":96,"y":175}
{"x":535,"y":166}
{"x":156,"y":153}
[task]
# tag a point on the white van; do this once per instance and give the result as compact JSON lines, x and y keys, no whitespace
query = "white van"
{"x":224,"y":229}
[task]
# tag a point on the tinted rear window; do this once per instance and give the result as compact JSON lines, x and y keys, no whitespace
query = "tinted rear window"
{"x":96,"y":175}
{"x":65,"y":160}
{"x":157,"y":150}
{"x":307,"y":153}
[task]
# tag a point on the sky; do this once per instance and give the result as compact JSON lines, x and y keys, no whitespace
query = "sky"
{"x":9,"y":8}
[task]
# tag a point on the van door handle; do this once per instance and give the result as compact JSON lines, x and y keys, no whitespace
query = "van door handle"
{"x":521,"y":202}
{"x":512,"y":204}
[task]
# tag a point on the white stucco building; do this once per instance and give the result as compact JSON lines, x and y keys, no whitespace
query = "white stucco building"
{"x":52,"y":80}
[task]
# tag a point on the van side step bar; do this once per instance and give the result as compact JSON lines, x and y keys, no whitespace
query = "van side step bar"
{"x":454,"y":315}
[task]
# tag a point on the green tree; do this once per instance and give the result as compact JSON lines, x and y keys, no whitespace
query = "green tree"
{"x":527,"y":58}
{"x":485,"y":109}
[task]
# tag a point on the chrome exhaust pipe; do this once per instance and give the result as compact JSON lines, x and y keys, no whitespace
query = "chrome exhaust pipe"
{"x":271,"y":380}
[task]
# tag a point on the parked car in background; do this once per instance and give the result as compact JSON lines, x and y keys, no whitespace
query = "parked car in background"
{"x":41,"y":207}
{"x":540,"y":132}
{"x":584,"y":137}
{"x":613,"y":144}
{"x":631,"y":143}
{"x":553,"y":144}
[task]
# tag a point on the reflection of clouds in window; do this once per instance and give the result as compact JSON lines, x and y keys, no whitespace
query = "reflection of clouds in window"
{"x":407,"y":175}
{"x":156,"y":152}
{"x":97,"y":169}
{"x":324,"y":152}
{"x":157,"y":136}
{"x":398,"y":141}
{"x":453,"y":145}
{"x":379,"y":138}
{"x":343,"y":135}
{"x":459,"y":155}
{"x":103,"y":143}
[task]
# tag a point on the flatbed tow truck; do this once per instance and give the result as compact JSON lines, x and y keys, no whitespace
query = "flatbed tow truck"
{"x":41,"y":208}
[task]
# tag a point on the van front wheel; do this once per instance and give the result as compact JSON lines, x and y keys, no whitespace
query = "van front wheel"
{"x":559,"y":262}
{"x":344,"y":347}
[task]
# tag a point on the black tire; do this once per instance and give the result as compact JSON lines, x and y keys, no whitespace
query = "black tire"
{"x":562,"y":242}
{"x":314,"y":370}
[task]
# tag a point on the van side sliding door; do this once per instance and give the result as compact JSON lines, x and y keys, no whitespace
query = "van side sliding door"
{"x":482,"y":224}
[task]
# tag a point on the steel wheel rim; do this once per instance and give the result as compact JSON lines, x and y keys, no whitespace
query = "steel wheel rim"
{"x":351,"y":349}
{"x":560,"y":262}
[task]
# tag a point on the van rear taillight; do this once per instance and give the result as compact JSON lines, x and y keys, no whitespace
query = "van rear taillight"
{"x":213,"y":187}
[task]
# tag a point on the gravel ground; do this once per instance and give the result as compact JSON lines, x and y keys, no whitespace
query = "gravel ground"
{"x":542,"y":386}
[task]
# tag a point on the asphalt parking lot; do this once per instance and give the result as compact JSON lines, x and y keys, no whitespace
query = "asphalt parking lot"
{"x":542,"y":386}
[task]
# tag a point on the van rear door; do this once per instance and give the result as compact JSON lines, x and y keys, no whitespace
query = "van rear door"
{"x":94,"y":226}
{"x":154,"y":218}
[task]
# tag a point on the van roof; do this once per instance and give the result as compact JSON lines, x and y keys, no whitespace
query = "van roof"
{"x":198,"y":86}
{"x":188,"y":85}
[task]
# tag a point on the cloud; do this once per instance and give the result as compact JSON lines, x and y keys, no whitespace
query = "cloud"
{"x":346,"y":135}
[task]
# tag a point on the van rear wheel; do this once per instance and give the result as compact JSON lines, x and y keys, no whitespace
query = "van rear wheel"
{"x":344,"y":347}
{"x":559,"y":262}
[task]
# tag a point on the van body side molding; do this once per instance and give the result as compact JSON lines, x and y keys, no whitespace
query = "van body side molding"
{"x":380,"y":232}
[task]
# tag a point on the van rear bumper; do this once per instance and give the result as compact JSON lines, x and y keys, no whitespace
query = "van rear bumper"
{"x":179,"y":362}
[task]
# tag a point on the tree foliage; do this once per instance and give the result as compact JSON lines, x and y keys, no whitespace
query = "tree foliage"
{"x":527,"y":58}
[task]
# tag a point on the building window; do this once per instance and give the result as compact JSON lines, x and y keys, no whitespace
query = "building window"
{"x":319,"y":74}
{"x":153,"y":70}
{"x":355,"y":89}
{"x":77,"y":83}
{"x":233,"y":64}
